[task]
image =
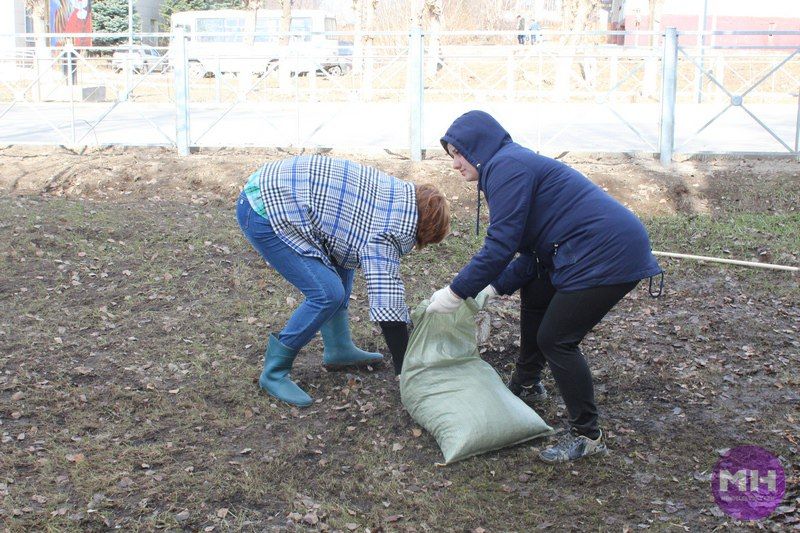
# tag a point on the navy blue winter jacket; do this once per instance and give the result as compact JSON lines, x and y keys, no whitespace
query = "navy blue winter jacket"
{"x":547,"y":212}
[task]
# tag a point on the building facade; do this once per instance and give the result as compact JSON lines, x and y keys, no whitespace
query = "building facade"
{"x":721,"y":15}
{"x":12,"y":21}
{"x":149,"y":15}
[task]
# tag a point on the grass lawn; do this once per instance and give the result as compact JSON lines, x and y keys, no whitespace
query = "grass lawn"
{"x":131,"y":338}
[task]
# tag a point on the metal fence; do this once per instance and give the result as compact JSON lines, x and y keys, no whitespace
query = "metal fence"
{"x":400,"y":91}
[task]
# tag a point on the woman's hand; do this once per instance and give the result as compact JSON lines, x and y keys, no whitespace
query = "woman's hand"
{"x":490,"y":292}
{"x":444,"y":301}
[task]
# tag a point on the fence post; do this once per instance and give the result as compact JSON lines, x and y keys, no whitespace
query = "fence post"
{"x":69,"y":56}
{"x":700,"y":72}
{"x":668,"y":87}
{"x":415,"y":91}
{"x":510,"y":77}
{"x":181,"y":80}
{"x":797,"y":129}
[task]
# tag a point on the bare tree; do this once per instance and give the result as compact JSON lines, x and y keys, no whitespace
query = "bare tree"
{"x":286,"y":20}
{"x":38,"y":11}
{"x":655,"y":8}
{"x":577,"y":16}
{"x":364,"y":26}
{"x":284,"y":68}
{"x":432,"y":12}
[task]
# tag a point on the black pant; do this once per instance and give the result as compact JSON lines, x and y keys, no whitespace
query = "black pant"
{"x":552,"y":326}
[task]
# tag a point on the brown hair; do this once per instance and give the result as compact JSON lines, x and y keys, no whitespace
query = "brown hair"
{"x":433,"y":224}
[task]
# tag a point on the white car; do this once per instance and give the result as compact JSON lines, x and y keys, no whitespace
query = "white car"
{"x":140,"y":58}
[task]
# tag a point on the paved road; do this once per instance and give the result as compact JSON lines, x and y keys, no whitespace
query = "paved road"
{"x":385,"y":125}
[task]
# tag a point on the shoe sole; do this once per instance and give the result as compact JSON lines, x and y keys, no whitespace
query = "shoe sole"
{"x":604,"y":451}
{"x":284,"y":401}
{"x":336,"y":367}
{"x":535,"y":398}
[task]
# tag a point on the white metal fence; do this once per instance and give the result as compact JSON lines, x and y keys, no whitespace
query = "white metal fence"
{"x":401,"y":91}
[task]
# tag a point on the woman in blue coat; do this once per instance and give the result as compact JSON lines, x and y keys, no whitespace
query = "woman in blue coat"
{"x":572,"y":249}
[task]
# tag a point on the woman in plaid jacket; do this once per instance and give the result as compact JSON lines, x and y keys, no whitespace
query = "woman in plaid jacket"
{"x":316,"y":219}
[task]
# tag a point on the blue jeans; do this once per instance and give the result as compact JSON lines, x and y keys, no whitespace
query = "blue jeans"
{"x":326,"y":289}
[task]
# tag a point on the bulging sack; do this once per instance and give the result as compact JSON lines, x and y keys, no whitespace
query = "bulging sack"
{"x":450,"y":391}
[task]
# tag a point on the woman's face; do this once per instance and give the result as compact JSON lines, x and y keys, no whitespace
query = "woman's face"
{"x":468,"y":172}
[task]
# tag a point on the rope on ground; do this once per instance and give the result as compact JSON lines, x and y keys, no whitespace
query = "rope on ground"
{"x":728,"y":261}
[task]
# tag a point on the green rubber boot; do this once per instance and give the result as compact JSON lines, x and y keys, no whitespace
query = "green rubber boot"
{"x":340,"y":351}
{"x":278,"y":360}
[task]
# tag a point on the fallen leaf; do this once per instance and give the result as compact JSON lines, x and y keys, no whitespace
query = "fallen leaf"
{"x":222,"y":512}
{"x":416,"y":432}
{"x":75,"y":457}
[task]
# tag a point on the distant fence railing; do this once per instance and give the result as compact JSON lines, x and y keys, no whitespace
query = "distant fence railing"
{"x":559,"y":91}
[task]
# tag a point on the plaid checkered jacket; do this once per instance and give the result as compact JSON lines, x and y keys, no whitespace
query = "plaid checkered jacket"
{"x":345,"y":214}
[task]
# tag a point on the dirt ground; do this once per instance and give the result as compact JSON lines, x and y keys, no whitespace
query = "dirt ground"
{"x":214,"y":176}
{"x":133,"y":316}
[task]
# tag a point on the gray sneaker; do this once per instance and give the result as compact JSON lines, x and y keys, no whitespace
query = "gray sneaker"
{"x":571,"y":447}
{"x":532,"y":393}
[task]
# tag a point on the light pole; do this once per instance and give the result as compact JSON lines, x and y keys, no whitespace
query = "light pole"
{"x":130,"y":22}
{"x":698,"y":82}
{"x":129,"y":55}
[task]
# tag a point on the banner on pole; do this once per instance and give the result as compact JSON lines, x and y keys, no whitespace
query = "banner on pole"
{"x":71,"y":16}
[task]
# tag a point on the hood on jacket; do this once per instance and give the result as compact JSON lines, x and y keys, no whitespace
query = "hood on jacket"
{"x":478,"y":136}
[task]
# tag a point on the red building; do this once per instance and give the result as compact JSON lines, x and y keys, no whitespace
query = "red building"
{"x":721,"y":15}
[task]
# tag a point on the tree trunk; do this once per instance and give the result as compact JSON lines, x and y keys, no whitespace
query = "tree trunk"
{"x":576,"y":16}
{"x":656,"y":9}
{"x":363,"y":53}
{"x":38,"y":10}
{"x":358,"y":42}
{"x":433,"y":10}
{"x":284,"y":67}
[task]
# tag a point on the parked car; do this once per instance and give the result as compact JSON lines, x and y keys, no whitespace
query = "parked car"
{"x":141,"y":58}
{"x":236,"y":40}
{"x":342,"y":62}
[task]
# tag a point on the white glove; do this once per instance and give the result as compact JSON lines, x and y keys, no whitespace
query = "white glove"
{"x":443,"y":301}
{"x":490,"y":292}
